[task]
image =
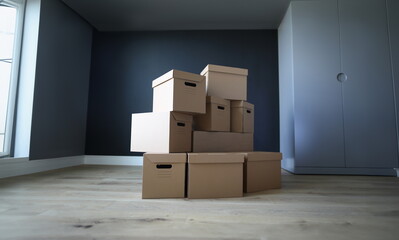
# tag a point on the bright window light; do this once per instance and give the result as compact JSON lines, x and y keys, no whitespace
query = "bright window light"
{"x":10,"y":26}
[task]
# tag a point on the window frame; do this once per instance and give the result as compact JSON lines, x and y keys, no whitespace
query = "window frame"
{"x":16,"y":58}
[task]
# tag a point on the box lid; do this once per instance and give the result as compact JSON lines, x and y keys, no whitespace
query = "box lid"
{"x":216,"y":157}
{"x":181,"y":117}
{"x":166,"y":157}
{"x":263,"y":156}
{"x":224,"y":69}
{"x":242,"y":104}
{"x":177,"y":74}
{"x":216,"y":100}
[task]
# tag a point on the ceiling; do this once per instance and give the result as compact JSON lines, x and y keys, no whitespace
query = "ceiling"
{"x":138,"y":15}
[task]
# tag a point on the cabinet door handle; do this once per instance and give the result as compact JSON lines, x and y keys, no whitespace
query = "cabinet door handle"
{"x":342,"y":77}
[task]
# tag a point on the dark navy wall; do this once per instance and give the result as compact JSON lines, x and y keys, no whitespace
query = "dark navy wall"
{"x":62,"y":83}
{"x":124,"y":65}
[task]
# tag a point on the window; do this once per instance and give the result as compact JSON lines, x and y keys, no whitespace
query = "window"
{"x":11,"y":20}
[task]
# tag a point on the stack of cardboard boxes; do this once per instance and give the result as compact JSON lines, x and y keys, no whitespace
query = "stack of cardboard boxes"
{"x":216,"y":159}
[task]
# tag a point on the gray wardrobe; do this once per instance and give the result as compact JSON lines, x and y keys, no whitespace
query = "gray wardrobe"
{"x":339,"y":71}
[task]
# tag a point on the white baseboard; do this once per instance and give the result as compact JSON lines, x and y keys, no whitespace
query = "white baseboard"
{"x":113,"y":160}
{"x":23,"y":166}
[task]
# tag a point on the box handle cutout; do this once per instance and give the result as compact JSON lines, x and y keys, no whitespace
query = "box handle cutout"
{"x":248,"y":111}
{"x":164,"y":166}
{"x":220,"y":107}
{"x":180,"y":124}
{"x":189,"y":84}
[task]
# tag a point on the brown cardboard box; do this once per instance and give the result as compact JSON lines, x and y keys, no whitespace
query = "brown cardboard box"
{"x":217,"y":117}
{"x":222,"y":142}
{"x":226,"y":82}
{"x":262,"y":171}
{"x":164,"y":175}
{"x":242,"y":116}
{"x":161,"y":132}
{"x":215,"y":175}
{"x":179,"y":91}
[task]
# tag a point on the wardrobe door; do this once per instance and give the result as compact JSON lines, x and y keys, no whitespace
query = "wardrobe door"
{"x":369,"y":116}
{"x":393,"y":18}
{"x":317,"y":93}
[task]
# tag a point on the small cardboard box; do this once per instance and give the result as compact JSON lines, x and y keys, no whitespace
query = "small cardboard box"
{"x":226,"y":82}
{"x":222,"y":142}
{"x":217,"y":117}
{"x":242,"y":117}
{"x":262,"y":171}
{"x":179,"y":91}
{"x":215,"y":175}
{"x":161,"y":132}
{"x":164,"y":175}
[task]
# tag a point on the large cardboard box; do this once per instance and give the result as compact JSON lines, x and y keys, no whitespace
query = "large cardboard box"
{"x":161,"y":132}
{"x":215,"y":175}
{"x":262,"y":171}
{"x":222,"y":142}
{"x":242,"y":117}
{"x":179,"y":91}
{"x":164,"y":175}
{"x":226,"y":82}
{"x":217,"y":117}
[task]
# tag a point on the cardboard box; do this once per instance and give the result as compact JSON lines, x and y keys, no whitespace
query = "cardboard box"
{"x":215,"y":175}
{"x":262,"y":171}
{"x":164,"y":175}
{"x":222,"y":142}
{"x":161,"y":132}
{"x":226,"y":82}
{"x":179,"y":91}
{"x":242,"y":117}
{"x":217,"y":117}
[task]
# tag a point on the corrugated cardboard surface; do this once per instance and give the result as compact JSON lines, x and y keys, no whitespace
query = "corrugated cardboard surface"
{"x":215,"y":175}
{"x":225,"y":69}
{"x":242,"y":117}
{"x":216,"y":157}
{"x":262,"y":171}
{"x":243,"y":104}
{"x":161,"y":132}
{"x":263,"y":156}
{"x":222,"y":142}
{"x":188,"y":98}
{"x":164,"y":175}
{"x":177,"y":74}
{"x":226,"y":82}
{"x":180,"y":132}
{"x":179,"y":91}
{"x":217,"y":117}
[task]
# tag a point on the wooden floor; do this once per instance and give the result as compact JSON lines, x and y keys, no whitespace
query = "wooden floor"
{"x":104,"y":202}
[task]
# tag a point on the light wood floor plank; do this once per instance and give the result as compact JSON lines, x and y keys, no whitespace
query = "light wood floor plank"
{"x":104,"y":202}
